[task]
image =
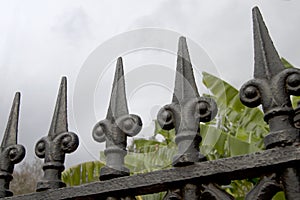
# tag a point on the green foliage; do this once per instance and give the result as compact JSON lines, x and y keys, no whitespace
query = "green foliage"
{"x":286,"y":63}
{"x":156,"y":196}
{"x":237,"y":129}
{"x":279,"y":196}
{"x":82,"y":173}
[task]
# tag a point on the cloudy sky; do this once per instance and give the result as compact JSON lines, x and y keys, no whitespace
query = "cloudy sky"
{"x":40,"y":41}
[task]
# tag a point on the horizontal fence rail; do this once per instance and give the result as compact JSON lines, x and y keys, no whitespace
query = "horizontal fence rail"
{"x":192,"y":176}
{"x":222,"y":170}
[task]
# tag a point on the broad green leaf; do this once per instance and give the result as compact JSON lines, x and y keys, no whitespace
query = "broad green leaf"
{"x":224,"y":93}
{"x":150,"y":161}
{"x":156,"y":196}
{"x":142,"y":145}
{"x":279,"y":196}
{"x":239,"y":147}
{"x":295,"y":101}
{"x":76,"y":174}
{"x":82,"y":173}
{"x":212,"y":138}
{"x":232,"y":113}
{"x":286,"y":63}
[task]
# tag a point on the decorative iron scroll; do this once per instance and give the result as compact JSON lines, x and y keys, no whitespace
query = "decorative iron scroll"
{"x":186,"y":111}
{"x":11,"y":153}
{"x":184,"y":114}
{"x":58,"y":142}
{"x":115,"y":129}
{"x":272,"y":86}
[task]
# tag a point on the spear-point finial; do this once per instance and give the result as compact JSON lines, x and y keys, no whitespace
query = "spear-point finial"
{"x":11,"y":153}
{"x":118,"y":102}
{"x":10,"y":135}
{"x":116,"y":127}
{"x":271,"y":87}
{"x":58,"y":142}
{"x":186,"y":110}
{"x":185,"y":85}
{"x":267,"y":60}
{"x":59,"y":122}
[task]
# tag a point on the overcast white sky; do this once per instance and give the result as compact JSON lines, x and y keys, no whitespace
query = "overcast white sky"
{"x":40,"y":41}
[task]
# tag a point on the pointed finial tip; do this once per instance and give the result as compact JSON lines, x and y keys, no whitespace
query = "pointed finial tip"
{"x":119,"y":68}
{"x":59,"y":122}
{"x":119,"y":63}
{"x":17,"y":95}
{"x":255,"y":9}
{"x":182,"y":38}
{"x":256,"y":13}
{"x":63,"y":82}
{"x":182,"y":42}
{"x":63,"y":79}
{"x":183,"y":48}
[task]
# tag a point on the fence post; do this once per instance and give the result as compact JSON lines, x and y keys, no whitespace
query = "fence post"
{"x":115,"y":129}
{"x":272,"y":86}
{"x":56,"y":144}
{"x":11,"y":153}
{"x":184,"y":114}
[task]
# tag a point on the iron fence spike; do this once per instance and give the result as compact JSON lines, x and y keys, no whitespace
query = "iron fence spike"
{"x":272,"y":86}
{"x":10,"y":135}
{"x":186,"y":111}
{"x":11,"y":153}
{"x":118,"y":102}
{"x":185,"y":85}
{"x":58,"y":142}
{"x":115,"y":129}
{"x":59,"y":122}
{"x":267,"y":60}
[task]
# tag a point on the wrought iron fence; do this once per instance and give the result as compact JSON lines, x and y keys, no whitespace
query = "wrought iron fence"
{"x":192,"y":176}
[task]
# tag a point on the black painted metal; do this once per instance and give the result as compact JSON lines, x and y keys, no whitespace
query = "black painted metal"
{"x":186,"y":111}
{"x":116,"y":127}
{"x":214,"y":192}
{"x":234,"y":168}
{"x":192,"y":176}
{"x":58,"y":142}
{"x":114,"y":130}
{"x":184,"y":114}
{"x":266,"y":188}
{"x":272,"y":86}
{"x":11,"y":153}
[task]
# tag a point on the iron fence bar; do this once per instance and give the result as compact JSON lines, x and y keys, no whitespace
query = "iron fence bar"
{"x":184,"y":114}
{"x":11,"y":153}
{"x":271,"y":87}
{"x":56,"y":144}
{"x":234,"y":168}
{"x":115,"y":129}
